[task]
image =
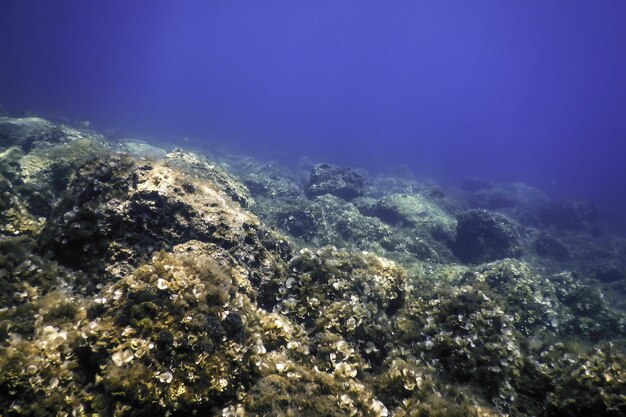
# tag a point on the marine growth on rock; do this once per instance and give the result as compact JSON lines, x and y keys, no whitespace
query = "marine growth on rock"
{"x":136,"y":281}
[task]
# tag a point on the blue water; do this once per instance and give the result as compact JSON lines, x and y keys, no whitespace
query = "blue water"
{"x":533,"y":91}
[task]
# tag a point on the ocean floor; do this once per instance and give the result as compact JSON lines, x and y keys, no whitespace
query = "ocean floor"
{"x":140,"y":281}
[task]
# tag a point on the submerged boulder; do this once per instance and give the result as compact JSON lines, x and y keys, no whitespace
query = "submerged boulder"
{"x":482,"y":236}
{"x":268,"y":186}
{"x":347,"y":294}
{"x":37,"y":161}
{"x":180,"y":334}
{"x":118,"y":211}
{"x":27,"y":132}
{"x":152,"y":291}
{"x":343,"y":182}
{"x":201,"y":168}
{"x":408,"y":210}
{"x":547,"y":246}
{"x":508,"y":195}
{"x":572,"y":216}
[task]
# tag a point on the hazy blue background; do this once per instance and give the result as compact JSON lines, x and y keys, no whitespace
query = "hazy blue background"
{"x":515,"y":90}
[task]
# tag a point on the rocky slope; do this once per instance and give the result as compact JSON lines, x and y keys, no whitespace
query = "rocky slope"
{"x":136,"y":281}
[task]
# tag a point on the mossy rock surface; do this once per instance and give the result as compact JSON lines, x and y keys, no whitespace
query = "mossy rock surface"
{"x":134,"y":285}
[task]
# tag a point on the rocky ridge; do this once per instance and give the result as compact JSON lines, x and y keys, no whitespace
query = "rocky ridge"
{"x":138,"y":281}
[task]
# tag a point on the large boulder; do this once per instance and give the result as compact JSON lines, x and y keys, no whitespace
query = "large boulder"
{"x":179,"y":335}
{"x":118,"y":211}
{"x":482,"y":236}
{"x":571,"y":216}
{"x":27,"y":132}
{"x":199,"y":167}
{"x":38,"y":159}
{"x":550,"y":247}
{"x":343,"y":182}
{"x":408,"y":210}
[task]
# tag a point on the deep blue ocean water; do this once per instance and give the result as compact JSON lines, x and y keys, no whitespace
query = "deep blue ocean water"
{"x":531,"y":91}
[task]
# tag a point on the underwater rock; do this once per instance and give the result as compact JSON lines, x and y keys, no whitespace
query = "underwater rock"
{"x":491,"y":200}
{"x":348,"y":294}
{"x":267,"y":181}
{"x":267,"y":186}
{"x":201,"y":168}
{"x":28,"y":132}
{"x":587,"y":384}
{"x":189,"y":305}
{"x":27,"y":279}
{"x":508,"y":195}
{"x":407,"y":210}
{"x":181,"y":334}
{"x":45,"y":172}
{"x":609,"y":273}
{"x":329,"y":220}
{"x":549,"y":247}
{"x":10,"y":162}
{"x":345,"y":222}
{"x":572,"y":216}
{"x":482,"y":236}
{"x":118,"y":211}
{"x":325,"y":220}
{"x":15,"y":218}
{"x":590,"y":317}
{"x":386,"y":184}
{"x":140,"y":149}
{"x":512,"y":308}
{"x":41,"y":168}
{"x":468,"y":334}
{"x":343,"y":182}
{"x":175,"y":335}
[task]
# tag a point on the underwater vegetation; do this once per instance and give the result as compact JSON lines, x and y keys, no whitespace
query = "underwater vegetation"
{"x":138,"y":281}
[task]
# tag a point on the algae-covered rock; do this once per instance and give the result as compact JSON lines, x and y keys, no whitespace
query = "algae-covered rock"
{"x":591,"y":317}
{"x":348,"y":294}
{"x":303,"y":391}
{"x":469,"y":334}
{"x":26,"y":279}
{"x":140,"y":149}
{"x":178,"y":330}
{"x":15,"y":218}
{"x":550,"y":247}
{"x":175,"y":335}
{"x":27,"y":132}
{"x":328,"y":220}
{"x":201,"y":168}
{"x":10,"y":162}
{"x":586,"y":384}
{"x":45,"y":172}
{"x":118,"y":211}
{"x":542,"y":306}
{"x":343,"y":182}
{"x":269,"y":186}
{"x":409,"y":210}
{"x":153,"y":291}
{"x":571,"y":215}
{"x":526,"y":296}
{"x":181,"y":335}
{"x":482,"y":236}
{"x":38,"y":165}
{"x":436,"y":406}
